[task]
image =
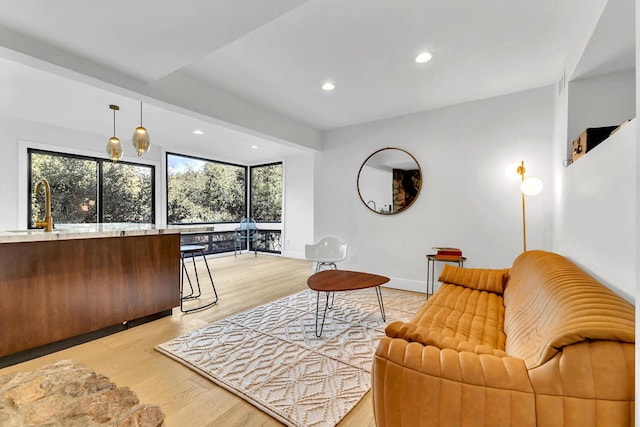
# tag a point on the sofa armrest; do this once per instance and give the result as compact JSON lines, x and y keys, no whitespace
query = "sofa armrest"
{"x":418,"y":385}
{"x":590,"y":383}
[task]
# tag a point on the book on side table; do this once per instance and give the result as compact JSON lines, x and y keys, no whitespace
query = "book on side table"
{"x":447,"y":253}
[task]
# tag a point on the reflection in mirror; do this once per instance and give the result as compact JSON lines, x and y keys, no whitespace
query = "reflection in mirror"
{"x":389,"y":181}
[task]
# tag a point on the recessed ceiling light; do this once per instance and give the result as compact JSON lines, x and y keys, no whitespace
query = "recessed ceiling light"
{"x":198,"y":132}
{"x":328,"y":86}
{"x":255,"y":147}
{"x":424,"y":57}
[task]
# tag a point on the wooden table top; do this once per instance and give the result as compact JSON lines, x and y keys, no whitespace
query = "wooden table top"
{"x":344,"y":280}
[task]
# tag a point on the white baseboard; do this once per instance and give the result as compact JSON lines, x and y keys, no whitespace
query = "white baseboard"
{"x":407,"y":285}
{"x":293,"y":254}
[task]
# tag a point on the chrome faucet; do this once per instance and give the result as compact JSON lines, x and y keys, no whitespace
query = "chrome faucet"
{"x":47,"y":223}
{"x":374,"y":204}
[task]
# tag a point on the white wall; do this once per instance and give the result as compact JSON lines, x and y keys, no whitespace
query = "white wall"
{"x":466,"y":200}
{"x":598,"y":222}
{"x":298,"y":204}
{"x":9,"y":135}
{"x":595,"y":199}
{"x":604,"y":100}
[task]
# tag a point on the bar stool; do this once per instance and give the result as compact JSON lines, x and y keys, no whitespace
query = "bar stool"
{"x":190,"y":251}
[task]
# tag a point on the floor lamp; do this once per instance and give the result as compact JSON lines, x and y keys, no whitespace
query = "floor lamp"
{"x":528,"y":186}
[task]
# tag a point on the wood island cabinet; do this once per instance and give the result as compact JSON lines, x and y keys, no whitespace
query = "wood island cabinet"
{"x":58,"y":289}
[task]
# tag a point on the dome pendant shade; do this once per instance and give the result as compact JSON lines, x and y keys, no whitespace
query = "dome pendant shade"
{"x":140,"y":139}
{"x":114,"y":149}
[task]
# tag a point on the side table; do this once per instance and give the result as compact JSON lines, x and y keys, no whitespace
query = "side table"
{"x":330,"y":281}
{"x":431,"y":269}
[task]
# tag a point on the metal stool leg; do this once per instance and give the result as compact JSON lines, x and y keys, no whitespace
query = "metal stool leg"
{"x":213,"y":286}
{"x":195,"y":270}
{"x":193,"y":295}
{"x":183,"y":273}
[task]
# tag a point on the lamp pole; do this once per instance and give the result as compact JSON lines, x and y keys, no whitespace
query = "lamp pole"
{"x":521,"y":171}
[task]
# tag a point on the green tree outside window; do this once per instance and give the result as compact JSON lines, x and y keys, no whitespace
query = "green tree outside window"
{"x":127,"y":189}
{"x":266,"y":192}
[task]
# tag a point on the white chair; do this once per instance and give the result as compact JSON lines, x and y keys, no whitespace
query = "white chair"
{"x":326,"y":253}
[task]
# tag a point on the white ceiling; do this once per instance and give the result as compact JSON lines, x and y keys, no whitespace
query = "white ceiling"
{"x":274,"y":55}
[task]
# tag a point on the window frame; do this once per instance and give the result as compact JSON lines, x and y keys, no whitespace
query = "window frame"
{"x":204,"y":159}
{"x":250,"y":190}
{"x":100,"y":161}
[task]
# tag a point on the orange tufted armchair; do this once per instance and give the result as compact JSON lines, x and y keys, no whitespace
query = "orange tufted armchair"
{"x":540,"y":344}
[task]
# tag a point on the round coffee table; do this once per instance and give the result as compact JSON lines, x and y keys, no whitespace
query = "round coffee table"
{"x":330,"y":281}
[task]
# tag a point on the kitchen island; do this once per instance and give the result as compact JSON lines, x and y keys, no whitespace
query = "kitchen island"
{"x":85,"y":278}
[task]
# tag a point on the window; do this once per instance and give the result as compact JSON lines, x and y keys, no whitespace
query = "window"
{"x":266,"y":192}
{"x":266,"y":204}
{"x":90,"y":190}
{"x":204,"y":191}
{"x":127,"y":192}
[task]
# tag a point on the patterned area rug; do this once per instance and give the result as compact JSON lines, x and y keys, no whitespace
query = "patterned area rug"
{"x":271,"y":357}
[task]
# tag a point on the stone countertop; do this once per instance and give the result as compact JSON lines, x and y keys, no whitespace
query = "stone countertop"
{"x":93,"y":231}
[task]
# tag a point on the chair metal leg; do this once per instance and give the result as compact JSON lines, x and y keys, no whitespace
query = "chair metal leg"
{"x":321,"y":266}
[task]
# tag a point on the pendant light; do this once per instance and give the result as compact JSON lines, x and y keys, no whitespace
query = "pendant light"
{"x":140,"y":138}
{"x":114,"y":148}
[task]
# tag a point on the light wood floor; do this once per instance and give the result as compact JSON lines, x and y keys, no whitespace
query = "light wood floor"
{"x":128,"y":358}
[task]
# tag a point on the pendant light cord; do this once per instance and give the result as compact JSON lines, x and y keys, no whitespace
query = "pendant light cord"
{"x":114,"y":108}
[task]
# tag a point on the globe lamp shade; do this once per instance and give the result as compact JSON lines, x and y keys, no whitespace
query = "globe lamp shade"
{"x":141,"y":140}
{"x":531,"y":186}
{"x":114,"y":149}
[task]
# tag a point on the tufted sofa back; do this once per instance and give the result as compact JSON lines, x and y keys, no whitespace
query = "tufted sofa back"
{"x":550,"y":303}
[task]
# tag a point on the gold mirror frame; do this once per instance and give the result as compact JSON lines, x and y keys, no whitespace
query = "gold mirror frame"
{"x":405,"y":181}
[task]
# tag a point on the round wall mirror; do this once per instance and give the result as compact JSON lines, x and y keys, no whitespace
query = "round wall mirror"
{"x":389,"y":181}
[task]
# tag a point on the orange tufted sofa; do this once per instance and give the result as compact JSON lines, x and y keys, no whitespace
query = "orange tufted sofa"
{"x":539,"y":344}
